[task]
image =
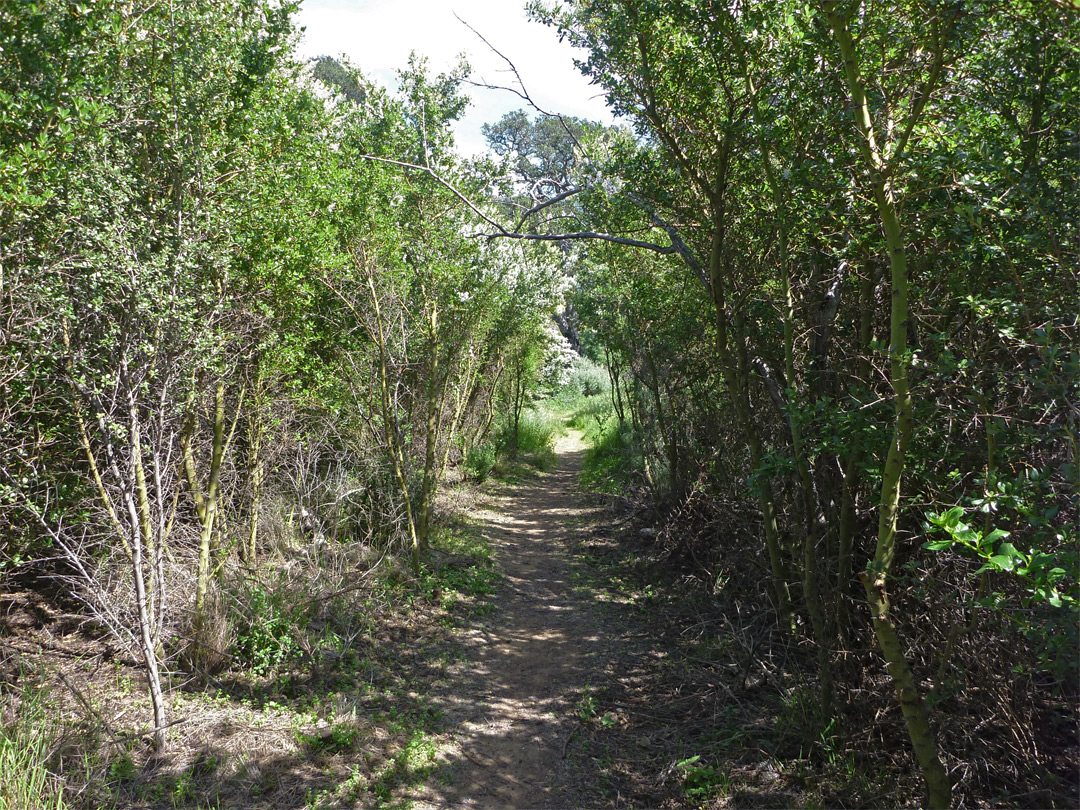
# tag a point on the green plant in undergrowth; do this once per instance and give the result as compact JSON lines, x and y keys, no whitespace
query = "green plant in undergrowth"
{"x":586,"y":706}
{"x":26,"y":743}
{"x":612,"y":455}
{"x":340,"y":737}
{"x":474,"y":580}
{"x":460,"y":539}
{"x":416,"y":760}
{"x":586,"y":380}
{"x":481,"y":460}
{"x":1048,"y":580}
{"x":701,"y":781}
{"x":534,"y":437}
{"x":589,"y":414}
{"x":183,"y":790}
{"x":265,"y":637}
{"x":122,"y":769}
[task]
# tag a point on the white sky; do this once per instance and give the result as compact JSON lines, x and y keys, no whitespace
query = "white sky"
{"x":377,"y":36}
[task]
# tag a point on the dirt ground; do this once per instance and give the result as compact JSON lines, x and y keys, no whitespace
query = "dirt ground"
{"x":514,"y":703}
{"x":577,"y":668}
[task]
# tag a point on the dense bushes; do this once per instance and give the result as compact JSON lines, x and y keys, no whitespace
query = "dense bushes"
{"x":229,"y":326}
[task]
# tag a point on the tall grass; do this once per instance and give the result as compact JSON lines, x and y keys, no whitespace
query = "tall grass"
{"x":534,"y":440}
{"x":613,"y":459}
{"x":27,"y":741}
{"x":590,"y":415}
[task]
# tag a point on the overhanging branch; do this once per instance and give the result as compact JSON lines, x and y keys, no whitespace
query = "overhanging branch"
{"x":540,"y":206}
{"x":663,"y":250}
{"x":453,"y":189}
{"x":677,"y":244}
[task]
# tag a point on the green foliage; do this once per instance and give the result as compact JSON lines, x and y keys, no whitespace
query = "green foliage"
{"x":335,"y":740}
{"x":481,"y":460}
{"x":534,"y":438}
{"x":122,"y":768}
{"x":27,"y":739}
{"x":613,"y":460}
{"x":469,"y":580}
{"x":586,"y":379}
{"x":701,"y":782}
{"x":586,"y":706}
{"x":267,"y":628}
{"x":414,"y":762}
{"x":1048,"y":579}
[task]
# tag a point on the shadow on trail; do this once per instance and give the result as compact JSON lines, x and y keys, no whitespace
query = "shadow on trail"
{"x":488,"y":731}
{"x":512,"y":711}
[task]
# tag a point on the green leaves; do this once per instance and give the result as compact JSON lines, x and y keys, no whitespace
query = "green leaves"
{"x":1041,"y":571}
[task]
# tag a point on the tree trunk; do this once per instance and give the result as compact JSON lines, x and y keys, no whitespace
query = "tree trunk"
{"x":876,"y":576}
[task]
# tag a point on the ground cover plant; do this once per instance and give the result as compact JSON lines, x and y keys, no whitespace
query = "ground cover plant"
{"x":344,"y":711}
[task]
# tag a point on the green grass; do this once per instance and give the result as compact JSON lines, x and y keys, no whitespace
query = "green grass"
{"x":26,"y":744}
{"x":534,"y":441}
{"x":612,"y":457}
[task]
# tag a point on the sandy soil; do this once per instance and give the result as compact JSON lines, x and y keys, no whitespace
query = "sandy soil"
{"x":515,"y":698}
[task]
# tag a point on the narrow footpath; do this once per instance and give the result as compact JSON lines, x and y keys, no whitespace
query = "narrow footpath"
{"x":514,"y":701}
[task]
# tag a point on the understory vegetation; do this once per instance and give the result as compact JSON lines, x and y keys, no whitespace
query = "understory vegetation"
{"x":333,"y":694}
{"x":812,"y":303}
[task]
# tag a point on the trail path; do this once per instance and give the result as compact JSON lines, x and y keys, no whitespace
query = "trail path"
{"x":514,"y":699}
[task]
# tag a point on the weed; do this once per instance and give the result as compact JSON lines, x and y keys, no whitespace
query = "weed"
{"x":586,"y":705}
{"x":355,"y":786}
{"x":25,"y":744}
{"x":481,"y":460}
{"x":534,"y":438}
{"x":122,"y":769}
{"x":183,"y":790}
{"x":702,"y":782}
{"x":266,"y":634}
{"x":335,"y":740}
{"x":475,"y":580}
{"x":415,"y":762}
{"x":612,"y":455}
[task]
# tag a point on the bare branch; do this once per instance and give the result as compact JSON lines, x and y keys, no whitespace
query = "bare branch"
{"x":523,"y":93}
{"x":435,"y":176}
{"x":677,"y":244}
{"x":570,"y":192}
{"x":663,"y":250}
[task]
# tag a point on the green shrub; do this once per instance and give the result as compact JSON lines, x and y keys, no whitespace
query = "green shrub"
{"x":589,"y":378}
{"x":701,"y":782}
{"x":1045,"y":571}
{"x":474,"y":580}
{"x":612,"y":457}
{"x":480,"y":461}
{"x":586,"y":379}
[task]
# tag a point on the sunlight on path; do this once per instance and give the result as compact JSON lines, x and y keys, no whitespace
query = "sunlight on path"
{"x":514,"y":701}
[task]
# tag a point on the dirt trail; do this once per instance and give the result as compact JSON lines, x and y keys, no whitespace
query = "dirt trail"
{"x":514,"y":700}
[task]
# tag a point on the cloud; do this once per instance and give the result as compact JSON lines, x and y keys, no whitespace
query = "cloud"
{"x":378,"y":35}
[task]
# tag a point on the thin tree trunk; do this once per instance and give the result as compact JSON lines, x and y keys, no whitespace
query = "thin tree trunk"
{"x":390,"y":426}
{"x":141,"y":544}
{"x":875,"y":578}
